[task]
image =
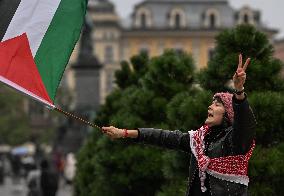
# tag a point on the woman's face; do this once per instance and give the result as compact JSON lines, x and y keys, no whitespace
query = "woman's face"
{"x":216,"y":113}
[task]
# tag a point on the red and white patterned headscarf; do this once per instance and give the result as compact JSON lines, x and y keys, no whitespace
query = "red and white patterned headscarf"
{"x":227,"y":101}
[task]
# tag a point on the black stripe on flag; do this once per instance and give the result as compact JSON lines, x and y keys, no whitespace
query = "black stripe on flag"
{"x":7,"y":11}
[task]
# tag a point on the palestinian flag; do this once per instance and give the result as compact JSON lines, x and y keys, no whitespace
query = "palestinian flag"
{"x":37,"y":38}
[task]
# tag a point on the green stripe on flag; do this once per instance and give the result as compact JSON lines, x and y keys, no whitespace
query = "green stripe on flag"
{"x":59,"y":41}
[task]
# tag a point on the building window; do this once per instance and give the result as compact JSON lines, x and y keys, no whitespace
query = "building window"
{"x":144,"y":48}
{"x":179,"y":51}
{"x":212,"y":23}
{"x":256,"y":17}
{"x":177,"y":21}
{"x":246,"y":19}
{"x":177,"y":18}
{"x":246,"y":16}
{"x":143,"y":18}
{"x":111,"y":36}
{"x":144,"y":51}
{"x":212,"y":18}
{"x":161,"y":47}
{"x":109,"y":54}
{"x":211,"y":53}
{"x":108,"y":36}
{"x":178,"y":48}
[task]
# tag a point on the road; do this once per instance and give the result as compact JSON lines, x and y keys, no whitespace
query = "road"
{"x":20,"y":189}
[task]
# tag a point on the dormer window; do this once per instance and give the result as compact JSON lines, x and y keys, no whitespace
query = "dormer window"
{"x":143,"y":18}
{"x":212,"y":22}
{"x":246,"y":16}
{"x":177,"y":21}
{"x":212,"y":19}
{"x":177,"y":18}
{"x":143,"y":21}
{"x":246,"y":19}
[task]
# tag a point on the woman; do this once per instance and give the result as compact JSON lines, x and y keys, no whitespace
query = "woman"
{"x":221,"y":148}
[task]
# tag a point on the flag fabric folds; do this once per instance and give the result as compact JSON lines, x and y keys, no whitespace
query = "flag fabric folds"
{"x":37,"y":38}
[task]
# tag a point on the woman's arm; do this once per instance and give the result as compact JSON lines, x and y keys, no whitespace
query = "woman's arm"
{"x":243,"y":125}
{"x":163,"y":138}
{"x":244,"y":120}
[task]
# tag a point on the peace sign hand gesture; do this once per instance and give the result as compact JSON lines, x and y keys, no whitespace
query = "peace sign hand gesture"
{"x":239,"y":77}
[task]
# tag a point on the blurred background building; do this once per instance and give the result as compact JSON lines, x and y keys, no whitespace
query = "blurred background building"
{"x":279,"y":49}
{"x":156,"y":25}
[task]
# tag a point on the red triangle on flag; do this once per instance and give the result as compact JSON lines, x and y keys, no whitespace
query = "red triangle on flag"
{"x":17,"y":66}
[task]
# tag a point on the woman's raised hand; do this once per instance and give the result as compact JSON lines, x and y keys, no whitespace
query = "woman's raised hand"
{"x":239,"y":77}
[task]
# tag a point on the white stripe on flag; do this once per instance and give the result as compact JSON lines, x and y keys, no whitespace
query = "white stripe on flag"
{"x":25,"y":91}
{"x":32,"y":17}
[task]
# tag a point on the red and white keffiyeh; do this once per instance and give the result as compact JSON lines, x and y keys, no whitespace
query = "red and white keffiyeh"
{"x":229,"y":168}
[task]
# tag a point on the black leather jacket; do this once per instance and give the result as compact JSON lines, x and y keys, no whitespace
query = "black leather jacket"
{"x":222,"y":141}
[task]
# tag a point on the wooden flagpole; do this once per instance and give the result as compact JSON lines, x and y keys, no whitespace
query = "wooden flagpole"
{"x":77,"y":118}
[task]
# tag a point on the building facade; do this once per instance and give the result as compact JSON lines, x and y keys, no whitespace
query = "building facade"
{"x":279,"y":49}
{"x":156,"y":25}
{"x":279,"y":52}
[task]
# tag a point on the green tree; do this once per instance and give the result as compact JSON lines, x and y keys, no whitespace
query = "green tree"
{"x":13,"y":120}
{"x":263,"y":72}
{"x":265,"y":93}
{"x":146,"y":88}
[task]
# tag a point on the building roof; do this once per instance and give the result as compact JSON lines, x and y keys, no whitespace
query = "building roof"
{"x":182,"y":1}
{"x":194,"y":11}
{"x":101,"y":6}
{"x":197,"y":1}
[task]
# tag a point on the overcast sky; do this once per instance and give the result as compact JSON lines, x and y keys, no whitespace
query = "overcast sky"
{"x":272,"y":11}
